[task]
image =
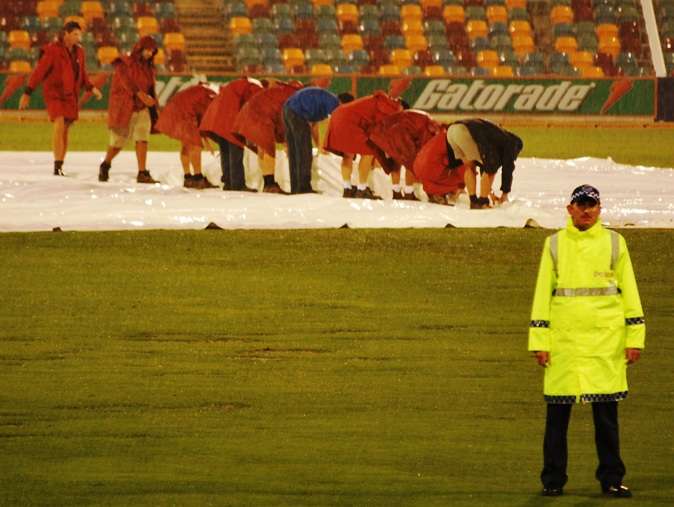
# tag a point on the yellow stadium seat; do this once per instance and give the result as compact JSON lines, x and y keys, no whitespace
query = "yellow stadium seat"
{"x":389,"y":70}
{"x":416,"y":43}
{"x":513,"y":4}
{"x":609,"y":45}
{"x":476,"y":28}
{"x":160,"y":57}
{"x":502,"y":71}
{"x":606,"y":30}
{"x":107,"y":54}
{"x":411,"y":11}
{"x":523,"y":45}
{"x":497,"y":13}
{"x":581,"y":59}
{"x":48,"y":9}
{"x":519,"y":27}
{"x":434,"y":70}
{"x":592,"y":71}
{"x":347,"y":12}
{"x":19,"y":39}
{"x":566,"y":44}
{"x":454,"y":14}
{"x":293,"y":57}
{"x":561,"y":14}
{"x":174,"y":40}
{"x":19,"y":67}
{"x":321,"y":69}
{"x":240,"y":25}
{"x":487,"y":58}
{"x":351,"y":41}
{"x":413,"y":27}
{"x":92,"y":10}
{"x":401,"y":57}
{"x":147,"y":25}
{"x":323,"y":2}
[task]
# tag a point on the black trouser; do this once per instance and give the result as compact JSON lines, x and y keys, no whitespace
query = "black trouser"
{"x":231,"y":163}
{"x":298,"y":136}
{"x":611,"y":469}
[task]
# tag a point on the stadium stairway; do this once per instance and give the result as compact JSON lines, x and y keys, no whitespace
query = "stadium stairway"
{"x":209,"y":46}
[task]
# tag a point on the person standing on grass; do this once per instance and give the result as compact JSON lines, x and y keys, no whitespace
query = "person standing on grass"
{"x":180,"y":120}
{"x":586,"y":326}
{"x":301,"y":114}
{"x":61,"y":69}
{"x":260,"y":123}
{"x":132,"y":106}
{"x":399,"y":138}
{"x":218,"y":124}
{"x":348,"y":134}
{"x":480,"y":143}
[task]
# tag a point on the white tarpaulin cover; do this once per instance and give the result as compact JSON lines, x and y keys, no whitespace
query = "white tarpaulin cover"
{"x":32,"y":199}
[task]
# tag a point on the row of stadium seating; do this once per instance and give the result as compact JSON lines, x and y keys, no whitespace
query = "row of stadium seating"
{"x":111,"y":27}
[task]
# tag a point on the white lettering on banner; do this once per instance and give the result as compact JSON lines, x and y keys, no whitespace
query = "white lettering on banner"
{"x":443,"y":95}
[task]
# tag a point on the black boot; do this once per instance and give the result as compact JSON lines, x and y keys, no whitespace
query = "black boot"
{"x":103,"y":171}
{"x":58,"y":168}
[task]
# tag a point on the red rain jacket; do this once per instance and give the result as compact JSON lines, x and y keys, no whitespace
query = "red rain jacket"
{"x":182,"y":115}
{"x":431,"y":167}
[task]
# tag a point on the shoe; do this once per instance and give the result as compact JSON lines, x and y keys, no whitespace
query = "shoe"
{"x":187,"y":182}
{"x":480,"y":203}
{"x":201,"y":183}
{"x":274,"y":189}
{"x":366,"y":194}
{"x":437,"y":199}
{"x":103,"y":173}
{"x":349,"y":192}
{"x":410,"y":197}
{"x":552,"y":492}
{"x":618,"y":491}
{"x":143,"y":177}
{"x":397,"y":196}
{"x":58,"y":172}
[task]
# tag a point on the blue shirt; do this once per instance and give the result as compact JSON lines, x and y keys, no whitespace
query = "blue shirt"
{"x":313,"y":103}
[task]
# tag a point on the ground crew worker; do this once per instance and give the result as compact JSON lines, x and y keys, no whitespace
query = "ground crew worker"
{"x":586,"y":326}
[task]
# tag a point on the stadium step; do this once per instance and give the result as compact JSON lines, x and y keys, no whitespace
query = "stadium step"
{"x":209,"y":46}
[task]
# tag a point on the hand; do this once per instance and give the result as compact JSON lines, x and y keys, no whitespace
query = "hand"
{"x":632,"y":355}
{"x":146,"y":99}
{"x":24,"y":101}
{"x":97,"y":93}
{"x":499,"y":200}
{"x":542,"y":357}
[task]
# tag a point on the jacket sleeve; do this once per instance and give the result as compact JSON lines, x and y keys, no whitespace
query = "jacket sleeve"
{"x":507,"y":174}
{"x":42,"y":69}
{"x":539,"y":327}
{"x":125,"y":80}
{"x":635,"y":335}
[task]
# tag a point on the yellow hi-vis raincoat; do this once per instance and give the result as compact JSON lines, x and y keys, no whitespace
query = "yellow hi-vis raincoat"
{"x":586,"y":312}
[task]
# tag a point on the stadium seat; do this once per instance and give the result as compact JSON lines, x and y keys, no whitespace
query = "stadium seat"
{"x":239,"y":25}
{"x":497,"y":13}
{"x":351,"y":41}
{"x":591,"y":71}
{"x":487,"y":58}
{"x":147,"y":25}
{"x":91,"y":10}
{"x":416,"y":42}
{"x":107,"y":54}
{"x":411,"y":11}
{"x":434,"y":70}
{"x":476,"y":28}
{"x":412,"y":27}
{"x":444,"y":57}
{"x":454,"y":14}
{"x":523,"y":45}
{"x":19,"y":39}
{"x":609,"y":45}
{"x":520,"y":27}
{"x":47,"y":9}
{"x":566,"y":44}
{"x":174,"y":40}
{"x":321,"y":69}
{"x":516,"y":4}
{"x":401,"y":57}
{"x":293,"y":57}
{"x":347,"y":12}
{"x":561,"y":14}
{"x":389,"y":70}
{"x":19,"y":67}
{"x":607,"y":30}
{"x":503,"y":71}
{"x":580,"y":59}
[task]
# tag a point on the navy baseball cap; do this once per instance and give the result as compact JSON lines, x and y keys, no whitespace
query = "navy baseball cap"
{"x":585,"y":194}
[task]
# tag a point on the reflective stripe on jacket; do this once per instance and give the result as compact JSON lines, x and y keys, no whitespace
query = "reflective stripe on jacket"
{"x":586,"y":311}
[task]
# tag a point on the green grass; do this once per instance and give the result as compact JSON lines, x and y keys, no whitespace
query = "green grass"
{"x":300,"y":368}
{"x":637,"y":146}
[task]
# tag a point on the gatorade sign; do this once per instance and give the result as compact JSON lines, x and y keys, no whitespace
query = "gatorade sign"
{"x":445,"y":95}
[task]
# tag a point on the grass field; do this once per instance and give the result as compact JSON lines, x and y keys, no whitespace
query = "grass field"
{"x":346,"y":367}
{"x":637,"y":146}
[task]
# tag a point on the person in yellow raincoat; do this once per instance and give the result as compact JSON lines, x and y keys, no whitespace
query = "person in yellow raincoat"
{"x":586,"y":326}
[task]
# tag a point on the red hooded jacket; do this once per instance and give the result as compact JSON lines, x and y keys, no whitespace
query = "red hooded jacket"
{"x":220,"y":115}
{"x":182,"y":115}
{"x":401,"y":135}
{"x":351,"y":122}
{"x":431,"y":167}
{"x":260,"y":120}
{"x":132,"y":74}
{"x":63,"y":75}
